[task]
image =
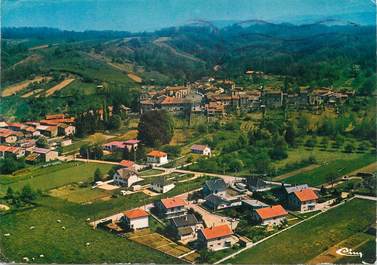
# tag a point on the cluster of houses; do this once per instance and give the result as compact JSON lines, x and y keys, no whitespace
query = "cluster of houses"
{"x":20,"y":139}
{"x":188,"y":226}
{"x":217,"y":97}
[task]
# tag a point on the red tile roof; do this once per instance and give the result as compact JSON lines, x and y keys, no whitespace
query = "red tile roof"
{"x":135,"y":213}
{"x":217,"y":231}
{"x":271,"y":212}
{"x":132,"y":141}
{"x":173,"y":202}
{"x":127,"y":163}
{"x":54,"y":116}
{"x":156,"y":153}
{"x":306,"y":195}
{"x":3,"y":148}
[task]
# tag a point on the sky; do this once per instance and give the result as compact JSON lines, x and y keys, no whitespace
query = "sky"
{"x":149,"y":15}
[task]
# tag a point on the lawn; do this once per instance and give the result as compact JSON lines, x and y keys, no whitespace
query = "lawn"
{"x":74,"y":193}
{"x":67,"y":246}
{"x":150,"y":172}
{"x":309,"y":239}
{"x":54,"y":176}
{"x":318,"y":176}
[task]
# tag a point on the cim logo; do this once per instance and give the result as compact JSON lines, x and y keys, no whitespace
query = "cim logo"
{"x":349,"y":252}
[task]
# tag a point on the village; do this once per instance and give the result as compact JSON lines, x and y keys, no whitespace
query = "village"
{"x":225,"y":213}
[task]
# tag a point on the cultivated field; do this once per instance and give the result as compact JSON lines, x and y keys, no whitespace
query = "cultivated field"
{"x":59,"y":86}
{"x":308,"y":240}
{"x":13,"y":89}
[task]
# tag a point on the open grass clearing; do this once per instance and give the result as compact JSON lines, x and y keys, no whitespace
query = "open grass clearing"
{"x":318,"y":176}
{"x":74,"y":193}
{"x":53,"y":176}
{"x":312,"y":237}
{"x":69,"y":245}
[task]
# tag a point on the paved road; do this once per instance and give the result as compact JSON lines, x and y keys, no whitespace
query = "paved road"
{"x":97,"y":161}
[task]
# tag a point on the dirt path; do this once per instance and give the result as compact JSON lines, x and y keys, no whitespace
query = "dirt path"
{"x":371,"y":168}
{"x":59,"y":86}
{"x":295,"y":172}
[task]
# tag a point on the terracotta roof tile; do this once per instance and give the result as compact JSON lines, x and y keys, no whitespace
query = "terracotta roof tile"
{"x":217,"y":231}
{"x":156,"y":153}
{"x":306,"y":195}
{"x":271,"y":212}
{"x":173,"y":202}
{"x":135,"y":213}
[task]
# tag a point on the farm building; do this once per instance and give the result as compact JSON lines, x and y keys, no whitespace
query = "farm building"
{"x":46,"y":155}
{"x":66,"y":129}
{"x":273,"y":215}
{"x":7,"y":136}
{"x":201,"y":149}
{"x":216,"y":238}
{"x":135,"y":219}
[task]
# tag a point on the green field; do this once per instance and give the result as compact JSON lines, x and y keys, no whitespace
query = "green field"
{"x":69,"y":245}
{"x":318,"y":176}
{"x":309,"y":239}
{"x":53,"y":176}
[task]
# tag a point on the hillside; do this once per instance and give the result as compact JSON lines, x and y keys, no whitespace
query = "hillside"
{"x":341,"y":56}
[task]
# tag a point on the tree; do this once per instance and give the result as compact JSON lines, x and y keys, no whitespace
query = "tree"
{"x":236,"y":165}
{"x":155,"y":128}
{"x":280,"y":150}
{"x":10,"y":165}
{"x":290,"y":134}
{"x":262,"y":162}
{"x":349,"y":148}
{"x":27,"y":194}
{"x":114,"y":122}
{"x":10,"y":194}
{"x":42,"y":142}
{"x":98,"y":175}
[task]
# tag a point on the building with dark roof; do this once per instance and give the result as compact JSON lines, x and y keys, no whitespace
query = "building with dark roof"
{"x":214,"y":186}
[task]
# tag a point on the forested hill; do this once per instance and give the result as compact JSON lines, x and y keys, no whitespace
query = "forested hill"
{"x":319,"y":54}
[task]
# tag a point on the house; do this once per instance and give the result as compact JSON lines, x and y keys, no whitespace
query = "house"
{"x":7,"y":136}
{"x":121,"y":145}
{"x":216,"y":238}
{"x":126,"y":177}
{"x":303,"y":200}
{"x":31,"y":132}
{"x":55,"y":116}
{"x":46,"y":155}
{"x":66,"y":129}
{"x":162,"y":185}
{"x":185,"y":227}
{"x":214,"y":186}
{"x":48,"y":131}
{"x":273,"y":215}
{"x":135,"y":219}
{"x":256,"y":184}
{"x":273,"y":99}
{"x":289,"y":189}
{"x":171,"y":207}
{"x":17,"y":127}
{"x":157,"y":158}
{"x":177,"y":91}
{"x":217,"y":202}
{"x":11,"y":151}
{"x":127,"y":164}
{"x":201,"y":149}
